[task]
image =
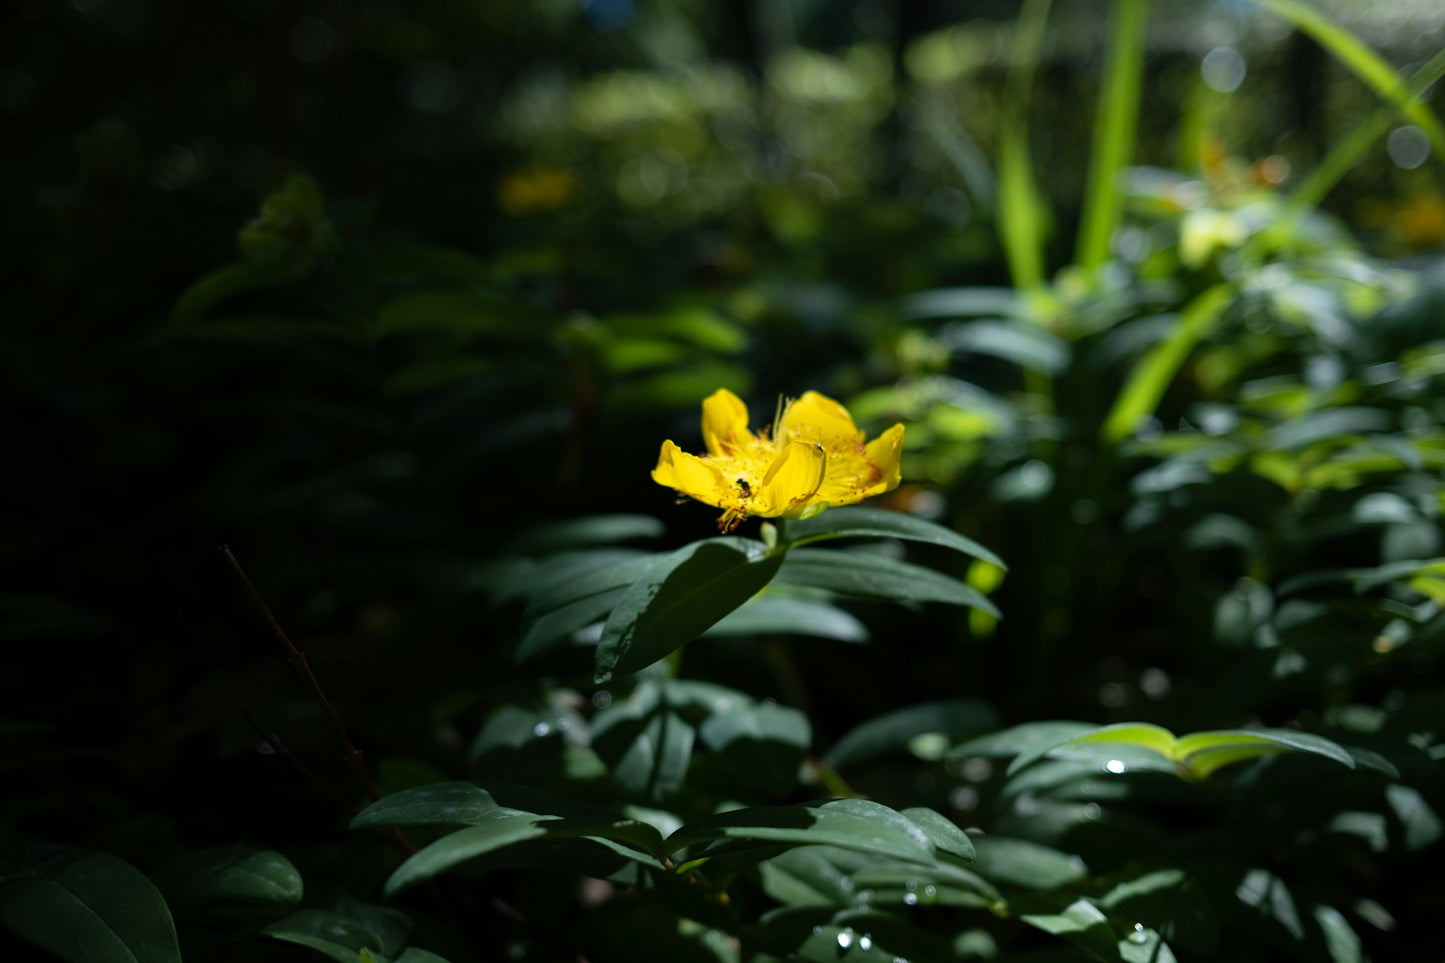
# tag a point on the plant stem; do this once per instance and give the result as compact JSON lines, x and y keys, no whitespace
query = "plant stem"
{"x":297,"y":658}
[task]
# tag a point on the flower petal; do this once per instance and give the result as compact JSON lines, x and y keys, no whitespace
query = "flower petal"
{"x":724,"y":421}
{"x":690,"y":475}
{"x":791,"y":480}
{"x":884,"y":452}
{"x":818,"y":418}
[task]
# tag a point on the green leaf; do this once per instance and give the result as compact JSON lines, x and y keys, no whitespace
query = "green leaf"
{"x":1021,"y":738}
{"x":942,"y":832}
{"x":90,"y":908}
{"x":545,"y":633}
{"x":759,"y":746}
{"x":893,"y":730}
{"x":444,"y":804}
{"x":773,"y":614}
{"x":1152,"y":376}
{"x":969,"y":302}
{"x":1205,"y":752}
{"x":877,"y":576}
{"x":805,"y":876}
{"x":1341,"y":941}
{"x":942,"y":883}
{"x":1168,"y":901}
{"x":859,"y":522}
{"x":666,"y":609}
{"x":855,"y":824}
{"x":565,"y":579}
{"x":1268,"y":893}
{"x":232,"y":280}
{"x":231,"y":874}
{"x":1081,"y":923}
{"x":645,"y":743}
{"x":1197,"y":755}
{"x":1025,"y":344}
{"x":492,"y":831}
{"x":1129,"y":733}
{"x":1024,"y":863}
{"x":341,"y":936}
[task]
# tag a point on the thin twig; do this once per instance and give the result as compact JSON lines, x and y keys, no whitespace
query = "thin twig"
{"x":297,"y":658}
{"x":281,"y":749}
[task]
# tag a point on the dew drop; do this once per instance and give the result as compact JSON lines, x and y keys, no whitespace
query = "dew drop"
{"x":930,"y":891}
{"x":845,"y":939}
{"x":817,"y":930}
{"x":864,"y":895}
{"x":541,"y":729}
{"x":865,"y":942}
{"x":1138,"y":935}
{"x":1116,"y":766}
{"x":911,"y":899}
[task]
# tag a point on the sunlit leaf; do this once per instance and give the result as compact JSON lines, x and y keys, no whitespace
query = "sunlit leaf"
{"x":670,"y":607}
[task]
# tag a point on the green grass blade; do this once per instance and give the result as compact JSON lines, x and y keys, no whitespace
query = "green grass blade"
{"x":1364,"y":63}
{"x":1344,"y":156}
{"x":1115,"y":126}
{"x":1021,"y":212}
{"x":1151,"y":378}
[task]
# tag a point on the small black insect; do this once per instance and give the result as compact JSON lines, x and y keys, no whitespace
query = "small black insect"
{"x":746,"y":488}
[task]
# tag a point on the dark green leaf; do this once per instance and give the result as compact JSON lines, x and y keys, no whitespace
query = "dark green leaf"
{"x":770,"y":614}
{"x":1024,"y":343}
{"x":893,"y":730}
{"x":90,"y":908}
{"x":445,"y":804}
{"x":669,"y":608}
{"x":1023,"y":863}
{"x":647,"y":751}
{"x":340,"y":936}
{"x":233,"y":874}
{"x":491,"y":831}
{"x":1081,"y":923}
{"x":945,"y":836}
{"x":846,"y":823}
{"x":877,"y":576}
{"x":861,"y":522}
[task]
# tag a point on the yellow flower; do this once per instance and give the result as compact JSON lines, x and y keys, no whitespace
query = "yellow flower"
{"x":814,"y":457}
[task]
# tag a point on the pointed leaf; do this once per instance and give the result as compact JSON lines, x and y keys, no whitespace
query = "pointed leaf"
{"x":443,"y":804}
{"x":90,"y":908}
{"x":666,"y":609}
{"x":860,"y":522}
{"x":893,"y":730}
{"x":846,"y":823}
{"x":770,"y":614}
{"x":877,"y":576}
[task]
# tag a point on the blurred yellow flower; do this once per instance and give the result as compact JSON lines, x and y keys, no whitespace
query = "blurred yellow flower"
{"x":535,"y":189}
{"x":813,"y":457}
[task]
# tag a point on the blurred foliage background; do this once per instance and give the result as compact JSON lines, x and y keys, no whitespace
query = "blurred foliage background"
{"x":368,"y":291}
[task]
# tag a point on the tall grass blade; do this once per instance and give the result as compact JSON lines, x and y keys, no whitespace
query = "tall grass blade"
{"x":1022,"y":218}
{"x":1153,"y":375}
{"x":1343,"y":157}
{"x":1115,"y":126}
{"x":1364,"y":63}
